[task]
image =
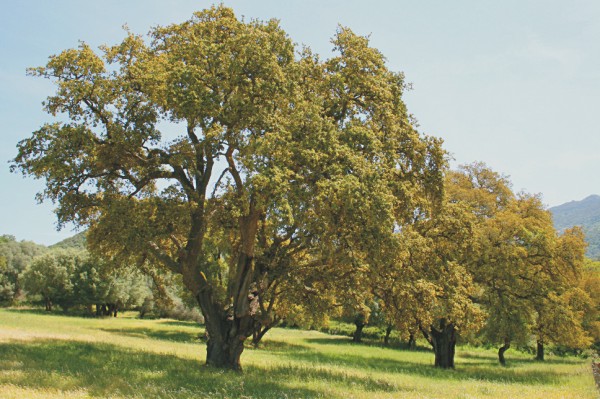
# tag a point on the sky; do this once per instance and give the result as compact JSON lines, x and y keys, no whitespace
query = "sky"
{"x":512,"y":83}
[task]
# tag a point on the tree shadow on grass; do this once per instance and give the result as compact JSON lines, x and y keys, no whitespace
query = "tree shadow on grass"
{"x":163,"y":335}
{"x":511,"y":361}
{"x":488,"y":371}
{"x":80,"y":314}
{"x":275,"y":346}
{"x":105,"y":370}
{"x":179,"y":323}
{"x":340,"y":340}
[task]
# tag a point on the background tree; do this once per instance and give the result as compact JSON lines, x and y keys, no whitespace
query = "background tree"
{"x":561,"y":304}
{"x":49,"y":276}
{"x":16,"y":257}
{"x":487,"y":195}
{"x":590,"y":284}
{"x":526,"y":275}
{"x":265,"y":135}
{"x":426,"y":285}
{"x":110,"y":288}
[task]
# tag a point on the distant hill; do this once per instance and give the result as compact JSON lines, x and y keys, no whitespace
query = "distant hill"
{"x":77,"y":241}
{"x":584,"y":213}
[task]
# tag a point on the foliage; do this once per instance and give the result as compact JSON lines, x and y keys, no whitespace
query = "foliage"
{"x":49,"y":276}
{"x":527,"y":275}
{"x":77,"y":241}
{"x":14,"y":258}
{"x":72,"y":278}
{"x":266,"y":136}
{"x":590,"y":284}
{"x":562,"y":304}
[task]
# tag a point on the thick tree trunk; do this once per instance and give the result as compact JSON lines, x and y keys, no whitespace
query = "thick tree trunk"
{"x":388,"y":332}
{"x":540,"y":350}
{"x":98,"y":310}
{"x":228,"y":328}
{"x":357,"y":335}
{"x":224,"y":353}
{"x":443,"y":341}
{"x":501,"y":351}
{"x":226,"y":334}
{"x":228,"y":324}
{"x":48,"y":305}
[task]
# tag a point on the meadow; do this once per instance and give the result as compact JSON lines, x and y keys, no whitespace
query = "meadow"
{"x":56,"y":356}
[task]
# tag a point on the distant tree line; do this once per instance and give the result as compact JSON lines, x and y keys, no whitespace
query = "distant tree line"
{"x":70,"y":278}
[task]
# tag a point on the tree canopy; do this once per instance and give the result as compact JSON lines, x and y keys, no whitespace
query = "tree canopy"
{"x":15,"y":256}
{"x":177,"y":148}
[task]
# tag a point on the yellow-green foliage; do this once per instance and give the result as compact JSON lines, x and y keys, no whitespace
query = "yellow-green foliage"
{"x":49,"y":356}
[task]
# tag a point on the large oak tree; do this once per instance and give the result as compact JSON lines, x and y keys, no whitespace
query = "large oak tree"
{"x":169,"y":145}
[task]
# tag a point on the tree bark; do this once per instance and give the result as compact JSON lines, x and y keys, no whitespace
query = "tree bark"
{"x":501,"y":351}
{"x":443,"y":341}
{"x":412,"y":341}
{"x":540,"y":351}
{"x":226,"y":333}
{"x":228,"y":321}
{"x":357,"y":335}
{"x":113,"y":309}
{"x":228,"y":327}
{"x":224,"y":353}
{"x":258,"y":334}
{"x":388,"y":332}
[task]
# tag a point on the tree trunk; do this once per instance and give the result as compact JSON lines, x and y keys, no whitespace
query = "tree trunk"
{"x":228,"y":324}
{"x":357,"y":335}
{"x":444,"y":344}
{"x":227,"y":328}
{"x":98,"y":310}
{"x":388,"y":332}
{"x":258,"y":333}
{"x":540,"y":350}
{"x":501,"y":351}
{"x":48,"y":305}
{"x":224,"y":353}
{"x":226,"y":334}
{"x":113,"y":309}
{"x":412,"y":341}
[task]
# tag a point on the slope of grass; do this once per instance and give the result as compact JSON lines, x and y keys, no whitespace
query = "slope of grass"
{"x":52,"y":356}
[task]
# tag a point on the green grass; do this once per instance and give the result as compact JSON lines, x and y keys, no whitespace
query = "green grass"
{"x":55,"y":356}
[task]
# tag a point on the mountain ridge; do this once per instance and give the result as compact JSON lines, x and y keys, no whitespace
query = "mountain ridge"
{"x":584,"y":213}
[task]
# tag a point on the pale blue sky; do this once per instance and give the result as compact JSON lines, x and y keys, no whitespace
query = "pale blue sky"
{"x":513,"y":83}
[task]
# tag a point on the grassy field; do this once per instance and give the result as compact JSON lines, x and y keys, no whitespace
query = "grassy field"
{"x":52,"y":356}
